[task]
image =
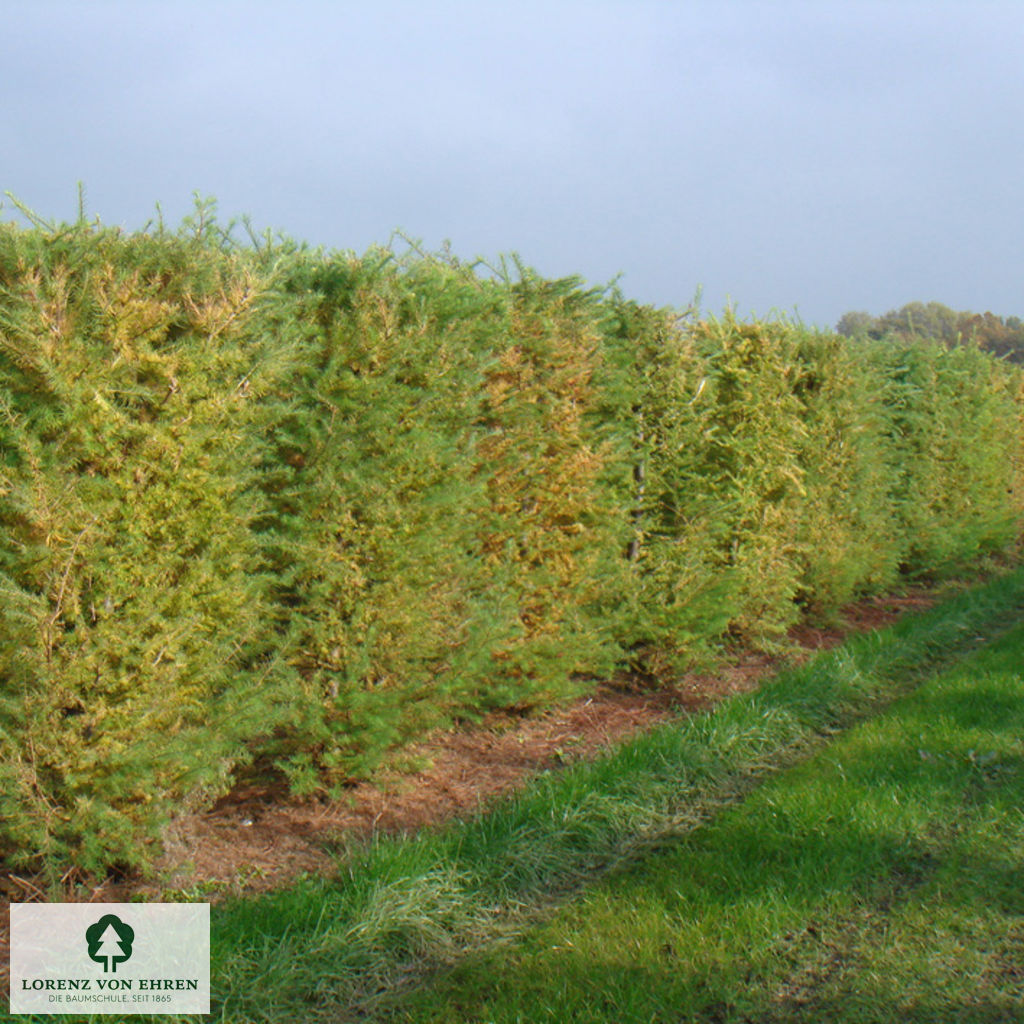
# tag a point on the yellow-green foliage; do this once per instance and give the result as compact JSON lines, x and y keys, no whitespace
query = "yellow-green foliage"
{"x":753,"y":433}
{"x":953,"y":428}
{"x":279,"y":506}
{"x":677,"y":594}
{"x":371,"y":503}
{"x":547,"y":520}
{"x":845,"y":531}
{"x":133,"y":615}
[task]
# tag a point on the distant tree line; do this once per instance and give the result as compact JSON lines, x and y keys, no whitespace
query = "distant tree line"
{"x":1001,"y":335}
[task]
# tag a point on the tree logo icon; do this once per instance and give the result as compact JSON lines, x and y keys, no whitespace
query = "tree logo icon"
{"x":110,"y":942}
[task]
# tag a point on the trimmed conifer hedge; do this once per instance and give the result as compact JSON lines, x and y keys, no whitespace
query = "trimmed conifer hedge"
{"x":263,"y":505}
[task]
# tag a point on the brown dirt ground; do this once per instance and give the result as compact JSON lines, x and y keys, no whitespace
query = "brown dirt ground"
{"x":258,"y":838}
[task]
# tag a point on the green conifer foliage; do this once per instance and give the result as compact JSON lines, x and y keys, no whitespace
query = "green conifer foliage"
{"x":139,"y":673}
{"x":846,"y":537}
{"x":678,"y":598}
{"x":550,"y":527}
{"x":954,"y":431}
{"x":374,"y":504}
{"x":268,"y":508}
{"x":753,"y":434}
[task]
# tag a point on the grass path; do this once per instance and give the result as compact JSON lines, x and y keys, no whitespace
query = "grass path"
{"x":881,"y":880}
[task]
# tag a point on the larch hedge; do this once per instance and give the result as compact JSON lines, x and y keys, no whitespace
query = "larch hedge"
{"x":267,"y":507}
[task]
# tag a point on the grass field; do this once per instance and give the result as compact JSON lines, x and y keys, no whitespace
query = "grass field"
{"x":881,"y":880}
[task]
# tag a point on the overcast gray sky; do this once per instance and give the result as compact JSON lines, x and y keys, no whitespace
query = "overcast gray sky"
{"x":811,"y":157}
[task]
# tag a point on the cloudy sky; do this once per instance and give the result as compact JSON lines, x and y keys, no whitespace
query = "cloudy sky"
{"x":809,"y":157}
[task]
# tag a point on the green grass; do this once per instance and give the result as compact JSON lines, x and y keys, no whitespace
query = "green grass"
{"x":881,"y":880}
{"x":642,"y":833}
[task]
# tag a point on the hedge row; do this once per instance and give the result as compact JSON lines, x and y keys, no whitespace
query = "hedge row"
{"x":262,"y":505}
